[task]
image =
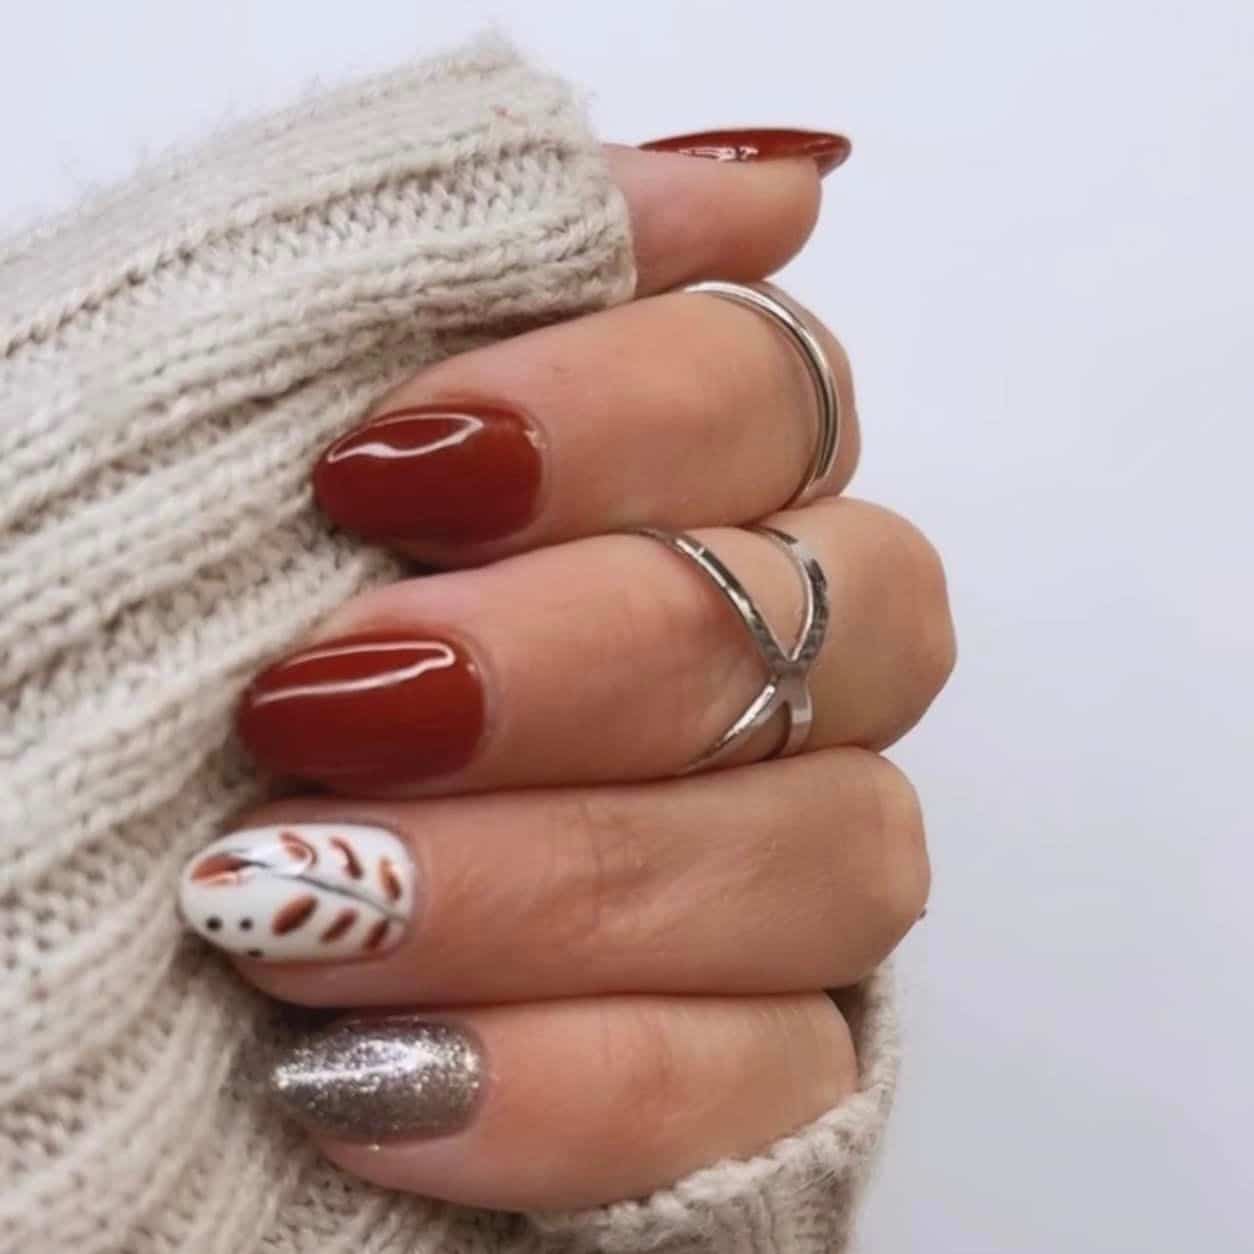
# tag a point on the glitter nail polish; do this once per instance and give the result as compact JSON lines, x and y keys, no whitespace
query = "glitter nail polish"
{"x":381,"y":1079}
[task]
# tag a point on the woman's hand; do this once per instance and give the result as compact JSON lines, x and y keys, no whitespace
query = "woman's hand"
{"x":571,"y":976}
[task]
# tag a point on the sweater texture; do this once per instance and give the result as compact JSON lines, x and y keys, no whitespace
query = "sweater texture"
{"x":173,"y":355}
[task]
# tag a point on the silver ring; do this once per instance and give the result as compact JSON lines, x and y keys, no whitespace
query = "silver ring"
{"x":770,"y":301}
{"x":788,"y":670}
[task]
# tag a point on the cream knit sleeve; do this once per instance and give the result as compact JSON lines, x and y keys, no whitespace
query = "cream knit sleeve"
{"x":172,"y":356}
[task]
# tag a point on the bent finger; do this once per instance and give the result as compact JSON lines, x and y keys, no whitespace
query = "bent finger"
{"x":816,"y":865}
{"x":508,"y":1107}
{"x":603,"y":660}
{"x":680,"y":411}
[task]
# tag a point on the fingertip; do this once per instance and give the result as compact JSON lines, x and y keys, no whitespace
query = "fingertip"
{"x":693,"y":218}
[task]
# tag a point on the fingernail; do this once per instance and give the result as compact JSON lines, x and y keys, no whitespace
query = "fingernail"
{"x":305,"y":892}
{"x":381,"y":1079}
{"x":826,"y":149}
{"x":366,"y":711}
{"x":450,"y":473}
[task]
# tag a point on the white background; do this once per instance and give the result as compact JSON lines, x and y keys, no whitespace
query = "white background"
{"x":1040,"y":259}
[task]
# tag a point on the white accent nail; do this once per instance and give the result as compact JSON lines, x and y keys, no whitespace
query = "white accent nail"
{"x":301,"y":892}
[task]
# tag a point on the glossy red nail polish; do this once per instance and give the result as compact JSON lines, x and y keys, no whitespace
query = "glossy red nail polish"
{"x":366,"y":711}
{"x":826,"y":149}
{"x":456,"y":473}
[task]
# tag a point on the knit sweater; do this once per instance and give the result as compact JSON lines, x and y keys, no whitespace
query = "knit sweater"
{"x":172,"y":356}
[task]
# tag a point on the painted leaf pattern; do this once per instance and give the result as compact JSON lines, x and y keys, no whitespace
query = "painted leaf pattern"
{"x":301,"y":892}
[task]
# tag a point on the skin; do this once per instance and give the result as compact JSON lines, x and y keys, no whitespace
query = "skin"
{"x":639,"y":952}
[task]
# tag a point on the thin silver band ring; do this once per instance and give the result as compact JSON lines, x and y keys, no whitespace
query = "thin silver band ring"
{"x":772,"y":303}
{"x":787,"y":687}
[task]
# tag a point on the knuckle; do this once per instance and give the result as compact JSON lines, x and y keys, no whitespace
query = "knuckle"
{"x":901,"y":887}
{"x":598,"y":867}
{"x":938,"y":652}
{"x":652,"y":1079}
{"x":574,"y":902}
{"x":919,"y":574}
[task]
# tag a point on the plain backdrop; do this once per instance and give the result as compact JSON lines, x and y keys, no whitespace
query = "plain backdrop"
{"x":1040,"y":258}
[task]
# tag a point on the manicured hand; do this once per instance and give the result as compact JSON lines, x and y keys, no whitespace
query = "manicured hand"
{"x":568,"y":972}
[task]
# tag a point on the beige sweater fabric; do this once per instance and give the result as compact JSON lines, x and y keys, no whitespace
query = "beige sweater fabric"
{"x":172,"y":356}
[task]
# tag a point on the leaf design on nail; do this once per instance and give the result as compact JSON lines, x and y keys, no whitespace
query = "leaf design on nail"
{"x":299,"y":848}
{"x":220,"y":868}
{"x":391,"y":881}
{"x":226,"y":867}
{"x":342,"y":922}
{"x":294,"y":914}
{"x":318,"y":890}
{"x":348,"y":858}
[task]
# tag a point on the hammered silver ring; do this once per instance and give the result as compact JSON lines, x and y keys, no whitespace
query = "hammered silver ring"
{"x":788,"y":669}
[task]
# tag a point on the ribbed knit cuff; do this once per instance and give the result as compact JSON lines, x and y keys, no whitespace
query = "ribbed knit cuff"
{"x":173,"y":355}
{"x":300,"y":194}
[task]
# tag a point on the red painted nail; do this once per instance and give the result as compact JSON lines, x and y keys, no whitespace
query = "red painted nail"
{"x":365,"y":712}
{"x":456,"y":473}
{"x":826,"y":149}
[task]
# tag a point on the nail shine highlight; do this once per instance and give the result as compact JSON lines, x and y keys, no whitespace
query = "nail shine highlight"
{"x":381,"y":1079}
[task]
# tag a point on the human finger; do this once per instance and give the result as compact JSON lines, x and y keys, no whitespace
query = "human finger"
{"x":816,"y":865}
{"x":607,"y":659}
{"x":507,"y":1107}
{"x":681,"y":411}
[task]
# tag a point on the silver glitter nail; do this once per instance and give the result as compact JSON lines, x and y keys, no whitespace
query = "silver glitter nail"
{"x":379,"y":1079}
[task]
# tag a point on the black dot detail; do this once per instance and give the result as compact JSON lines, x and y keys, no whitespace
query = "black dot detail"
{"x":213,"y":923}
{"x":246,"y":925}
{"x":256,"y":953}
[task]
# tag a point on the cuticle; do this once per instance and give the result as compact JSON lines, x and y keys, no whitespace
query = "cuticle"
{"x":489,"y":687}
{"x":538,"y":434}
